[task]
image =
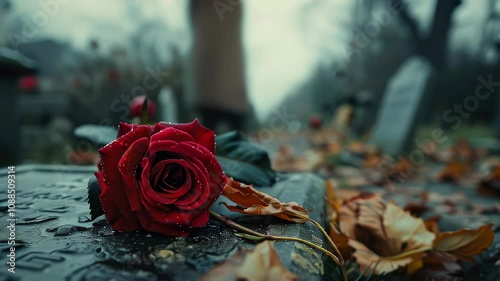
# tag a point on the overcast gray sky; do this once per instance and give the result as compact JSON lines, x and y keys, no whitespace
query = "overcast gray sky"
{"x":280,"y":52}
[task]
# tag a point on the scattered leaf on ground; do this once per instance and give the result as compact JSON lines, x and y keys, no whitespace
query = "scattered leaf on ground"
{"x":383,"y":233}
{"x":453,"y":171}
{"x":260,"y":264}
{"x":465,"y":243}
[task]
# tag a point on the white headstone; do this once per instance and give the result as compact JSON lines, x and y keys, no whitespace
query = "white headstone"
{"x":168,"y":105}
{"x":402,"y":100}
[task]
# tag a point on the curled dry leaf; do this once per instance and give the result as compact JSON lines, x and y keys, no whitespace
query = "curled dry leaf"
{"x":333,"y":201}
{"x":253,"y":202}
{"x":383,"y":234}
{"x":341,"y":241}
{"x":373,"y":159}
{"x":462,"y":151}
{"x":432,"y":224}
{"x":387,"y":174}
{"x":416,"y":209}
{"x":495,"y":173}
{"x":260,"y":264}
{"x":335,"y":198}
{"x":286,"y":161}
{"x":453,"y":171}
{"x":465,"y":243}
{"x":490,"y":185}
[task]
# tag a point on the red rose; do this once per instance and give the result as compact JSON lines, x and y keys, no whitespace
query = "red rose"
{"x":135,"y":107}
{"x":28,"y":83}
{"x":315,"y":122}
{"x":160,"y":178}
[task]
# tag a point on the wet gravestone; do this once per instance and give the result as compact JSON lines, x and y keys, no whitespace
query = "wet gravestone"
{"x":401,"y":105}
{"x":12,"y":66}
{"x":55,"y":239}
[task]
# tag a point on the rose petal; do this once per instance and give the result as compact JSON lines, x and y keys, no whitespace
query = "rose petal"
{"x":202,"y":219}
{"x":153,"y":226}
{"x":196,"y":197}
{"x":147,"y":191}
{"x":217,"y":179}
{"x":173,"y":134}
{"x":201,"y":134}
{"x":124,"y":128}
{"x":177,"y":192}
{"x":174,"y":217}
{"x":213,"y":180}
{"x":200,"y":189}
{"x":111,"y":154}
{"x":111,"y":212}
{"x":128,"y":168}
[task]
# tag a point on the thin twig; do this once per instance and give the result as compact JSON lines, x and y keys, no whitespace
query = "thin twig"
{"x":339,"y":255}
{"x":334,"y":246}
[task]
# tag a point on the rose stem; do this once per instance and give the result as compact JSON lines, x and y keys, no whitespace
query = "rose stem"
{"x":318,"y":226}
{"x":282,"y":238}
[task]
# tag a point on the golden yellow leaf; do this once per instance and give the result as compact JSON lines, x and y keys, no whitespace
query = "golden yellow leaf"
{"x":465,"y":243}
{"x":260,"y":264}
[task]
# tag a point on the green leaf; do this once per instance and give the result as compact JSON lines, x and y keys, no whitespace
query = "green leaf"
{"x":96,"y":134}
{"x":94,"y":190}
{"x":243,"y":160}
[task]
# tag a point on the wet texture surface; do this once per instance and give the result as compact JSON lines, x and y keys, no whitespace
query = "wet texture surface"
{"x":55,"y":239}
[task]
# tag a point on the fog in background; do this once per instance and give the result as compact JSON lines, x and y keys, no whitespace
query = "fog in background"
{"x":284,"y":40}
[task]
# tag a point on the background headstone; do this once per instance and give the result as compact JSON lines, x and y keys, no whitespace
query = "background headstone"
{"x":401,"y":106}
{"x":12,"y":66}
{"x":168,"y":105}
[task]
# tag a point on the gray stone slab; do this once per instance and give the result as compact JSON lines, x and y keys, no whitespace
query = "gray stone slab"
{"x":57,"y":241}
{"x":400,"y":106}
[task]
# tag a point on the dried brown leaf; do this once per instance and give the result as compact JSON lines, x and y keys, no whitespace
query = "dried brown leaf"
{"x":253,"y":202}
{"x":341,"y":241}
{"x":260,"y":264}
{"x":453,"y":171}
{"x":383,"y":234}
{"x":465,"y":243}
{"x":366,"y":258}
{"x":406,"y":232}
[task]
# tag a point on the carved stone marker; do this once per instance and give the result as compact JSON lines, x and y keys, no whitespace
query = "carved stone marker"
{"x":55,"y":239}
{"x":401,"y":105}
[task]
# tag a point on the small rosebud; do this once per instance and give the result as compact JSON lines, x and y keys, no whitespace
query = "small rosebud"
{"x":135,"y":107}
{"x":28,"y":83}
{"x":315,"y":122}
